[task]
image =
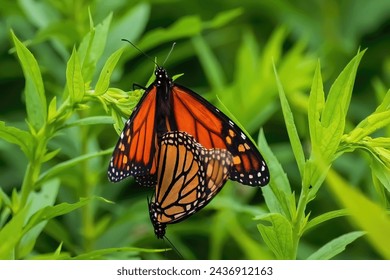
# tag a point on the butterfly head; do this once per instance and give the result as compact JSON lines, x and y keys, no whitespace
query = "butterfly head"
{"x":162,"y":78}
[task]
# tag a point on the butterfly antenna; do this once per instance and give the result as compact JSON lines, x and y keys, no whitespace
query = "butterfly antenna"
{"x":141,"y":51}
{"x":173,"y":247}
{"x":169,"y":54}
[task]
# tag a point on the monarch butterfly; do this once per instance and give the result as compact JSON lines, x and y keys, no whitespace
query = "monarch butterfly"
{"x":188,"y":177}
{"x":167,"y":106}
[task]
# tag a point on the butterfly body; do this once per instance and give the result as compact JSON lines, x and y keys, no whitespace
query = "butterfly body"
{"x":167,"y":106}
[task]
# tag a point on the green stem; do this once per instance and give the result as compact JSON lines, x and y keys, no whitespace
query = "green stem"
{"x":87,"y":191}
{"x":33,"y":168}
{"x":299,"y":218}
{"x":40,"y":147}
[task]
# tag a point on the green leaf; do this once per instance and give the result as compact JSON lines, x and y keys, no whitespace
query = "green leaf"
{"x":324,"y":218}
{"x":340,"y":93}
{"x":316,"y":105}
{"x":50,"y":155}
{"x":367,"y":215}
{"x":104,"y":79}
{"x":37,"y":201}
{"x":74,"y":79}
{"x":291,"y":128}
{"x":184,"y":27}
{"x":277,"y":194}
{"x":59,"y":168}
{"x":50,"y":212}
{"x":385,"y":105}
{"x":34,"y":91}
{"x":224,"y":18}
{"x":57,"y":255}
{"x":92,"y":47}
{"x":4,"y":200}
{"x":96,"y":120}
{"x":381,"y":172}
{"x":369,"y":125}
{"x":135,"y":18}
{"x":12,"y":232}
{"x":331,"y":135}
{"x":336,"y":246}
{"x":17,"y":136}
{"x":52,"y":110}
{"x":277,"y":232}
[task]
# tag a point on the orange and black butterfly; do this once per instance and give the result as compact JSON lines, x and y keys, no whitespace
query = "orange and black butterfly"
{"x":167,"y":106}
{"x":188,"y":177}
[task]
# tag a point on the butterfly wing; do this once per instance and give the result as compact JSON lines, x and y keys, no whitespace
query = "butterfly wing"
{"x":134,"y":152}
{"x":213,"y":129}
{"x":188,"y":177}
{"x":170,"y":107}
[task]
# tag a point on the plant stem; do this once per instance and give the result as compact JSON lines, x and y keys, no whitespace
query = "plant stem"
{"x":33,"y":168}
{"x":87,"y":191}
{"x":299,"y":219}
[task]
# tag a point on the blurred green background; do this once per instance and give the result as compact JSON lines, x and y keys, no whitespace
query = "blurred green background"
{"x":225,"y":49}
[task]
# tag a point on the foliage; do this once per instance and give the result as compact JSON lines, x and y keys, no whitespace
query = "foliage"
{"x":329,"y":161}
{"x":284,"y":226}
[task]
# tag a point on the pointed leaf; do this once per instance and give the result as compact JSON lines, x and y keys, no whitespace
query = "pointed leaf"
{"x":50,"y":212}
{"x":341,"y":91}
{"x":52,"y":110}
{"x":187,"y":26}
{"x":35,"y":94}
{"x":17,"y":136}
{"x":224,"y":17}
{"x":67,"y":164}
{"x":74,"y":79}
{"x":278,"y":193}
{"x":316,"y":104}
{"x":135,"y":18}
{"x":385,"y":105}
{"x":324,"y":218}
{"x":104,"y":79}
{"x":336,"y":246}
{"x":291,"y":128}
{"x":96,"y":120}
{"x":92,"y":47}
{"x":331,"y":135}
